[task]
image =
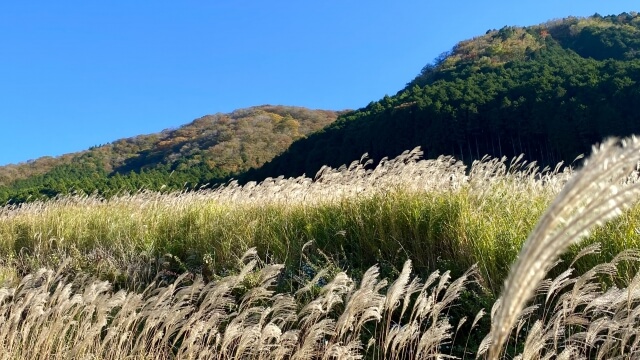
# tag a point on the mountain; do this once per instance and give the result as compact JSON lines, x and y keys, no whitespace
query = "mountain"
{"x":549,"y":91}
{"x":208,"y":149}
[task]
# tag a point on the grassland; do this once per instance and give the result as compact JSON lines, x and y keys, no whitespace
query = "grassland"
{"x":297,"y":268}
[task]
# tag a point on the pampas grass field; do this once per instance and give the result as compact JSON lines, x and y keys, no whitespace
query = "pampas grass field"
{"x":411,"y":259}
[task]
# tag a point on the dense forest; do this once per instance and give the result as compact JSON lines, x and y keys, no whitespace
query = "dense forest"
{"x":549,"y":91}
{"x":207,"y":150}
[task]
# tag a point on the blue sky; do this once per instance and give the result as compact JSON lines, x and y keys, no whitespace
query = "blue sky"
{"x":74,"y":74}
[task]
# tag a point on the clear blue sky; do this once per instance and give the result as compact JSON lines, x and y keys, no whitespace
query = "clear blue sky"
{"x":79,"y":73}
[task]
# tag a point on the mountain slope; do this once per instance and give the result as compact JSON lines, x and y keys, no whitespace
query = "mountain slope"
{"x":208,"y":149}
{"x":549,"y":91}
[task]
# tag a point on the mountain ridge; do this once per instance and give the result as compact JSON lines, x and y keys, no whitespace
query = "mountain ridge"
{"x":210,"y":148}
{"x":549,"y":91}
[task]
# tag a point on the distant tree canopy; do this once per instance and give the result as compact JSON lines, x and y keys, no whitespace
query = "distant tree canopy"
{"x":208,"y":150}
{"x":548,"y":91}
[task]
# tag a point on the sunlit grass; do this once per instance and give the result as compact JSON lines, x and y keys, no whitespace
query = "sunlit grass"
{"x":432,"y":212}
{"x":323,"y":251}
{"x":427,"y":211}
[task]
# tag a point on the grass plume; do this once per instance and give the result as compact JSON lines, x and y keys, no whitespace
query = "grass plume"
{"x":597,"y":193}
{"x":230,"y":273}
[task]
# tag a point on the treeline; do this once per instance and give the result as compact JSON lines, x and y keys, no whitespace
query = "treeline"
{"x":206,"y":151}
{"x":548,"y":91}
{"x":89,"y":177}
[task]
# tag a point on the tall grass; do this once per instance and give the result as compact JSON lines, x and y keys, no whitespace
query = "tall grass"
{"x":430,"y":211}
{"x":49,"y":316}
{"x":604,"y":187}
{"x":176,"y":289}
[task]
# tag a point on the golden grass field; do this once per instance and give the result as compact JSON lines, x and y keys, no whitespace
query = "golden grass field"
{"x":411,"y":259}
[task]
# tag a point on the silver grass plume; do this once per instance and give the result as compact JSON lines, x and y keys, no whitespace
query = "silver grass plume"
{"x":595,"y":194}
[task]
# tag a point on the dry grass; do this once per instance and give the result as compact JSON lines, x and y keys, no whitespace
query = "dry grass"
{"x":50,"y":316}
{"x":403,"y":208}
{"x":254,"y":309}
{"x":600,"y":191}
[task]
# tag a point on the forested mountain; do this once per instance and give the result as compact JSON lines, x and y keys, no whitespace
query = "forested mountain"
{"x":549,"y":91}
{"x":209,"y":149}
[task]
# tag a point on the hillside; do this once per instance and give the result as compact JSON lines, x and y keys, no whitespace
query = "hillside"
{"x":208,"y":149}
{"x":549,"y":91}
